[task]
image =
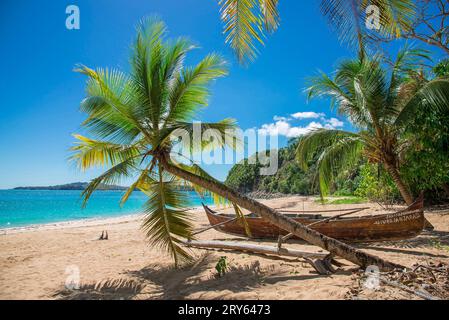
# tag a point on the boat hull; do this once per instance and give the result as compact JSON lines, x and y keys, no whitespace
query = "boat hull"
{"x":394,"y":226}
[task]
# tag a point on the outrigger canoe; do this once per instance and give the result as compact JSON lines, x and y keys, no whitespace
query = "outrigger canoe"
{"x":405,"y":224}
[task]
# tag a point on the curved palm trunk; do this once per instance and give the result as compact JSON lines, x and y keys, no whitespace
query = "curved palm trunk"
{"x":332,"y":245}
{"x":394,"y":173}
{"x":405,"y":192}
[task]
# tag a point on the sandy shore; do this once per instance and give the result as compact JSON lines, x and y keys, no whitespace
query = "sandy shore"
{"x":35,"y":263}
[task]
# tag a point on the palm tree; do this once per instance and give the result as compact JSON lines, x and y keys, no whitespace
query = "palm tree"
{"x":247,"y":22}
{"x":380,"y":101}
{"x":132,"y":118}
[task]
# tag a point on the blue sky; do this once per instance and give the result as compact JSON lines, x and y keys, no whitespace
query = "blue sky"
{"x":41,"y":93}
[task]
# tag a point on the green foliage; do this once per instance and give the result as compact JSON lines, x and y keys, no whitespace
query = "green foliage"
{"x":244,"y":177}
{"x":427,"y":161}
{"x":442,"y":69}
{"x":289,"y":179}
{"x":438,"y":245}
{"x":347,"y":182}
{"x":376,"y":185}
{"x":221,"y":266}
{"x":345,"y":200}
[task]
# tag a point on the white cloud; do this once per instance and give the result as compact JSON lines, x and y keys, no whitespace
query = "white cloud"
{"x":333,"y":123}
{"x":307,"y":115}
{"x":282,"y":125}
{"x":278,"y":118}
{"x":283,"y":128}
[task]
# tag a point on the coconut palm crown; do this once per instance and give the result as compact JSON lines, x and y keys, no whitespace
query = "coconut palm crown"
{"x":379,"y":99}
{"x":130,"y":122}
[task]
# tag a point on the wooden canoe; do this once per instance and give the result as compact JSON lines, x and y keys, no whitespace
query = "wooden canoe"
{"x":400,"y":225}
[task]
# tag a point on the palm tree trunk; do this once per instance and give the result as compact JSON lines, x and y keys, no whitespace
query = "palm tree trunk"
{"x":405,"y":192}
{"x":334,"y":246}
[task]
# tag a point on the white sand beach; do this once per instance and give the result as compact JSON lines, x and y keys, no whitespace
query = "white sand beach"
{"x":34,"y":261}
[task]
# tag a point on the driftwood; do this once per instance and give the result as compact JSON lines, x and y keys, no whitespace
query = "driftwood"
{"x":239,"y":246}
{"x":420,"y":293}
{"x":322,"y":263}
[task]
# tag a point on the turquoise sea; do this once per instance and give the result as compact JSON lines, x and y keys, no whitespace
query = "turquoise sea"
{"x":20,"y":208}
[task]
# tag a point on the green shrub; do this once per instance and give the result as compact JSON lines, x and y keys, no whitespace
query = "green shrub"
{"x":376,"y":185}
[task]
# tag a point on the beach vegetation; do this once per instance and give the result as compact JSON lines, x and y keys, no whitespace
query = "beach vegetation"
{"x":378,"y":98}
{"x":342,"y":200}
{"x":222,"y":266}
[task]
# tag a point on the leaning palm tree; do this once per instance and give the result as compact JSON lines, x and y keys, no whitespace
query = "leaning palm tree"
{"x":379,"y":100}
{"x":133,"y":117}
{"x":132,"y":120}
{"x":247,"y":22}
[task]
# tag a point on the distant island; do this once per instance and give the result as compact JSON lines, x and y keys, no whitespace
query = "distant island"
{"x":72,"y":186}
{"x":83,"y":185}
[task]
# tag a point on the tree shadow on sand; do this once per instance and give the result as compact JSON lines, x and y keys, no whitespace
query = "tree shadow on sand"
{"x":196,"y":280}
{"x":429,"y":239}
{"x":111,"y":289}
{"x":180,"y":284}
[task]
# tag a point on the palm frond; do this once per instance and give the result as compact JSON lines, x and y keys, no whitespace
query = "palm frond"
{"x":108,"y":105}
{"x":433,"y":95}
{"x":396,"y":16}
{"x":341,"y":91}
{"x":146,"y":58}
{"x":404,"y":74}
{"x":111,"y":176}
{"x":343,"y":153}
{"x":410,"y":58}
{"x":166,"y":222}
{"x":220,"y":134}
{"x":348,"y":18}
{"x":242,"y":220}
{"x":345,"y":16}
{"x":245,"y":23}
{"x":315,"y":141}
{"x":269,"y":14}
{"x":143,"y":181}
{"x":189,"y":90}
{"x":88,"y":153}
{"x":242,"y":27}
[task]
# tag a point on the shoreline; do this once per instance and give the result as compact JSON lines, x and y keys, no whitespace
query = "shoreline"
{"x":125,"y":218}
{"x":77,"y":223}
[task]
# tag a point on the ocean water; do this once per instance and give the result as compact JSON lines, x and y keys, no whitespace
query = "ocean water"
{"x":20,"y":208}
